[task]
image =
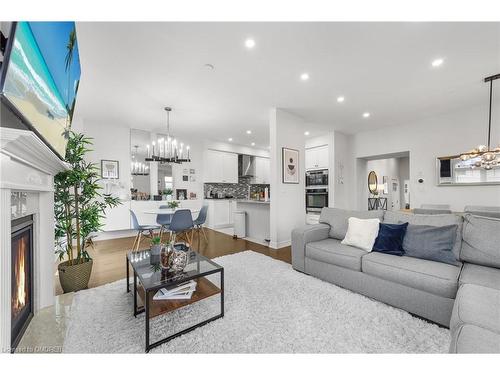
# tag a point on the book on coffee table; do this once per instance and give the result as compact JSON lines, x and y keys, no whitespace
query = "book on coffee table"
{"x":181,"y":291}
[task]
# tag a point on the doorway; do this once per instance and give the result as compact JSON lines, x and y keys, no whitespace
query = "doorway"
{"x":393,"y":176}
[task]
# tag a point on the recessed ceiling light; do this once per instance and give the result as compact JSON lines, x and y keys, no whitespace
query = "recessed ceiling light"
{"x":437,"y":62}
{"x":304,"y":76}
{"x":340,"y":99}
{"x":306,"y":133}
{"x":249,"y":132}
{"x":253,"y":143}
{"x":249,"y":43}
{"x":230,"y":139}
{"x":366,"y":114}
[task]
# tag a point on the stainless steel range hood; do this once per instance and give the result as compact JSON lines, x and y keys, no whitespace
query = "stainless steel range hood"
{"x":246,"y":166}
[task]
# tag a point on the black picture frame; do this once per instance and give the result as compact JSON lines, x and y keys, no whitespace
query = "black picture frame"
{"x":117,"y":169}
{"x":287,"y":153}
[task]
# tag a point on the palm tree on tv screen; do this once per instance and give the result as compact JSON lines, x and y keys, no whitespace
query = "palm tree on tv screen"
{"x":70,"y":46}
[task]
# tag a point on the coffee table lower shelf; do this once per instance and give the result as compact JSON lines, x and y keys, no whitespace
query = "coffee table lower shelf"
{"x":204,"y":289}
{"x":152,"y":308}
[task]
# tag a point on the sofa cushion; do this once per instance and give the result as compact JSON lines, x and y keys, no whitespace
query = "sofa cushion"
{"x":433,"y":277}
{"x":431,"y":243}
{"x":395,"y":217}
{"x":480,"y":275}
{"x":333,"y":252}
{"x":337,"y":219}
{"x":361,"y":233}
{"x":481,"y":244}
{"x":477,"y":305}
{"x":390,"y":239}
{"x":490,"y":211}
{"x":473,"y":339}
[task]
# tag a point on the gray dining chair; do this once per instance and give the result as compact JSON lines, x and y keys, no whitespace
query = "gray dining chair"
{"x":182,"y":225}
{"x":200,"y":220}
{"x":142,"y":230}
{"x":163,"y":220}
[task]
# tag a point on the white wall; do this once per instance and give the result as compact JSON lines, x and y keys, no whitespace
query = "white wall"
{"x":427,"y":139}
{"x":343,"y":173}
{"x":404,"y":174}
{"x":111,"y":142}
{"x":287,"y":208}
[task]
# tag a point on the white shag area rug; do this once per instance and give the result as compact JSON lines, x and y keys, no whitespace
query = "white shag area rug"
{"x":269,"y":308}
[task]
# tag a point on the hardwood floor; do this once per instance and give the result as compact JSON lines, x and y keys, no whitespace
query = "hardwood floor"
{"x":109,"y":255}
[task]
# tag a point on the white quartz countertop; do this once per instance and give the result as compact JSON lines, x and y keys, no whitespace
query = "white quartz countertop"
{"x":253,"y":201}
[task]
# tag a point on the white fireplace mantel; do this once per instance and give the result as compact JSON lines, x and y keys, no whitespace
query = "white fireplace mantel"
{"x":27,"y":162}
{"x":27,"y":165}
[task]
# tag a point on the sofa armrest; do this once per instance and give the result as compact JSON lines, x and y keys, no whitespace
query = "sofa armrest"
{"x":301,"y":237}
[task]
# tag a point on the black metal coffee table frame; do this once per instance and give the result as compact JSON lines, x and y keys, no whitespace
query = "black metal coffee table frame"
{"x":147,"y":291}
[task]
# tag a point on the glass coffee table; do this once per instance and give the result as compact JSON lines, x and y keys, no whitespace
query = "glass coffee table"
{"x":149,"y":277}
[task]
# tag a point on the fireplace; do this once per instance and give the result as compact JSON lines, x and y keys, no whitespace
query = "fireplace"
{"x":22,"y":277}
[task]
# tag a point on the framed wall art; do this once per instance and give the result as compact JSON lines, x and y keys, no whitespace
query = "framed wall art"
{"x":290,"y":166}
{"x":110,"y":169}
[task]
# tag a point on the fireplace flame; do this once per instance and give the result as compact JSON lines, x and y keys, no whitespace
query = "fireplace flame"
{"x":20,"y":273}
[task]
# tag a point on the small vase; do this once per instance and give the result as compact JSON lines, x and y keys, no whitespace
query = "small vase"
{"x":178,"y":260}
{"x":156,"y":249}
{"x":165,"y":256}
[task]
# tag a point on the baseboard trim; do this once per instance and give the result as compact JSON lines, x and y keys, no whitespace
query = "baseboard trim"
{"x":279,"y":245}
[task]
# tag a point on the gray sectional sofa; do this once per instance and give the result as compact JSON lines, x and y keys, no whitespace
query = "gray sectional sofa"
{"x":464,"y":297}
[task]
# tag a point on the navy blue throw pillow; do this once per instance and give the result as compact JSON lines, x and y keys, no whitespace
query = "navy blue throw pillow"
{"x":390,"y":239}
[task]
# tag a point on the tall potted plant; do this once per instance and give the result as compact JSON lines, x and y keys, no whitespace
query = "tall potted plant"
{"x":79,"y":208}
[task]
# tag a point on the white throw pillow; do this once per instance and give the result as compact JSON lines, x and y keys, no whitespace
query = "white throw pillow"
{"x":361,"y":233}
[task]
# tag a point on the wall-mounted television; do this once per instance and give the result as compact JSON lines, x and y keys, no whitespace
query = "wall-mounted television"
{"x":40,"y":78}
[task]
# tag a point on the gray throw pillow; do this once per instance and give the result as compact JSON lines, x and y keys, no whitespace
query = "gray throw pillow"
{"x":431,"y":243}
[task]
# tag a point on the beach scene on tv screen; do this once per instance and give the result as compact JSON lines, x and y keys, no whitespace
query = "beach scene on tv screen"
{"x":42,"y":78}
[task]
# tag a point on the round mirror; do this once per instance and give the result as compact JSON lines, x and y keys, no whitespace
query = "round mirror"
{"x":372,"y":182}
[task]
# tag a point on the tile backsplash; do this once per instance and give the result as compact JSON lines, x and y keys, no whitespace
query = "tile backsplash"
{"x":239,"y":190}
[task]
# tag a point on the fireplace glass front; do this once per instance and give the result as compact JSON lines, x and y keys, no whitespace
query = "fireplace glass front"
{"x":22,"y":277}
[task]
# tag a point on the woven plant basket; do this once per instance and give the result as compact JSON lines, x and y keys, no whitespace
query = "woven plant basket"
{"x":74,"y":277}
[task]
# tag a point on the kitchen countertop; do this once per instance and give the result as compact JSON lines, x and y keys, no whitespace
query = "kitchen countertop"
{"x":221,"y":199}
{"x":252,"y":201}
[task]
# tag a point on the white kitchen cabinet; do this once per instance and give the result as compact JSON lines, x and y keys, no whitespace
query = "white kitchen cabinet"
{"x":230,"y":168}
{"x":212,"y":166}
{"x":220,"y":213}
{"x":317,"y":157}
{"x":221,"y":167}
{"x":262,"y":170}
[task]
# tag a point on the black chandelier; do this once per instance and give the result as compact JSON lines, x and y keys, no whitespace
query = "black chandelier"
{"x":168,"y":149}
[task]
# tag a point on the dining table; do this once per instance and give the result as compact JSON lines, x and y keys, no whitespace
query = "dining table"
{"x":171,"y":211}
{"x":168,"y":211}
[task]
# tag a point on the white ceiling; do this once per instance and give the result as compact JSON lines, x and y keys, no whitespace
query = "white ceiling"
{"x":130,"y":71}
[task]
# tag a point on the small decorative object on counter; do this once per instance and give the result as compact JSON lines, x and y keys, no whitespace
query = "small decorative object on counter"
{"x":173,"y":204}
{"x":166,"y":254}
{"x":156,"y":245}
{"x":167,"y":194}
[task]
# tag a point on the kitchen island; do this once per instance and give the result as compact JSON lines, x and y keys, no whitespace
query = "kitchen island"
{"x":257,"y":219}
